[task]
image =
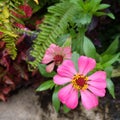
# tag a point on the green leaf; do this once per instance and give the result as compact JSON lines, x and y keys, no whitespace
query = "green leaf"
{"x":89,"y":48}
{"x":109,"y":70}
{"x":77,"y":43}
{"x":55,"y":100}
{"x":42,"y":70}
{"x":35,"y":7}
{"x":110,"y":15}
{"x":67,"y":42}
{"x":63,"y":39}
{"x":110,"y":59}
{"x":99,"y":13}
{"x":83,"y":18}
{"x":75,"y":57}
{"x":46,"y":85}
{"x":103,"y":6}
{"x":66,"y":109}
{"x":113,"y":47}
{"x":110,"y":87}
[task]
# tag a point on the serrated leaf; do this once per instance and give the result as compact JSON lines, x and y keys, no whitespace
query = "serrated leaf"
{"x":110,"y":87}
{"x":55,"y":100}
{"x":42,"y":70}
{"x":89,"y":48}
{"x":46,"y":85}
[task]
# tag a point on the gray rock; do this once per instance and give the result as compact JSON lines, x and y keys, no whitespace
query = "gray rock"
{"x":26,"y":105}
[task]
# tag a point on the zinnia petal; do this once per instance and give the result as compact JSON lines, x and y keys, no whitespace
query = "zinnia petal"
{"x":72,"y":100}
{"x":97,"y":92}
{"x":88,"y":99}
{"x":58,"y":50}
{"x":47,"y":59}
{"x":50,"y":67}
{"x":86,"y":64}
{"x":67,"y":69}
{"x":49,"y":54}
{"x":67,"y":52}
{"x":99,"y":85}
{"x":63,"y":93}
{"x":98,"y":76}
{"x":61,"y":80}
{"x":51,"y":49}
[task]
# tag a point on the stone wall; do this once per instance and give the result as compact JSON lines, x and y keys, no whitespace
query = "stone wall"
{"x":26,"y":105}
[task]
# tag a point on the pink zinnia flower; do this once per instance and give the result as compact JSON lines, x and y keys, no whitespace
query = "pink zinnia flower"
{"x":55,"y":55}
{"x":89,"y":86}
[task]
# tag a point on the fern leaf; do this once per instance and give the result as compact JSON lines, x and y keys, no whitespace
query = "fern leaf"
{"x":10,"y":46}
{"x":55,"y":24}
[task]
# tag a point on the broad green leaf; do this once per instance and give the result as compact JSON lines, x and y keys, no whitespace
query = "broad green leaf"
{"x":89,"y":48}
{"x":55,"y":100}
{"x":42,"y":70}
{"x":113,"y":47}
{"x":75,"y":57}
{"x":46,"y":85}
{"x":110,"y":87}
{"x":81,"y":3}
{"x":66,"y":109}
{"x":99,"y":13}
{"x":74,"y":1}
{"x":77,"y":43}
{"x":95,"y":2}
{"x":109,"y":70}
{"x":34,"y":5}
{"x":84,"y":19}
{"x":111,"y":15}
{"x":103,"y":6}
{"x":64,"y":40}
{"x":110,"y":59}
{"x":67,"y":42}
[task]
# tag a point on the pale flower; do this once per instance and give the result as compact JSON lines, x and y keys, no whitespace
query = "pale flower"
{"x":89,"y":86}
{"x":55,"y":55}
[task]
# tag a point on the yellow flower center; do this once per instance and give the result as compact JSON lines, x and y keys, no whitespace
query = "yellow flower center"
{"x":80,"y":82}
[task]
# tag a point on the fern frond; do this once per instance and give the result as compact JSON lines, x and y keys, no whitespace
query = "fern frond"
{"x":9,"y":36}
{"x":55,"y":24}
{"x":10,"y":46}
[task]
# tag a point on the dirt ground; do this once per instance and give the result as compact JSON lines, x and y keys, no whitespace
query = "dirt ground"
{"x":26,"y":105}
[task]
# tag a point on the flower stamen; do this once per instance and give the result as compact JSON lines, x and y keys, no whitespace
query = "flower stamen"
{"x":80,"y":82}
{"x":58,"y":59}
